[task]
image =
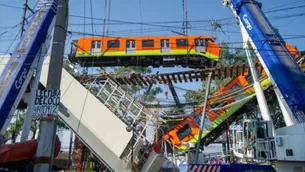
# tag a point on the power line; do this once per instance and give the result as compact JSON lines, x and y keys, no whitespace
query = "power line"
{"x":285,"y":9}
{"x":11,"y":6}
{"x":287,"y":4}
{"x":162,"y":22}
{"x":168,"y":27}
{"x":155,"y":24}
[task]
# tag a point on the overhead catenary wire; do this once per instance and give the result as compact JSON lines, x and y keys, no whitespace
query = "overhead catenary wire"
{"x":168,"y":28}
{"x":10,"y":6}
{"x":206,"y":21}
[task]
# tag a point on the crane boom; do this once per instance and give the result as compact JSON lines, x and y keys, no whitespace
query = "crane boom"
{"x":284,"y":72}
{"x":20,"y":68}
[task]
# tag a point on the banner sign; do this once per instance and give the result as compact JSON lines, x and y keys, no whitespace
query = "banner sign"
{"x":46,"y":104}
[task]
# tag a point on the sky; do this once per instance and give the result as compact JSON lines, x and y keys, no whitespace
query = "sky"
{"x":167,"y":14}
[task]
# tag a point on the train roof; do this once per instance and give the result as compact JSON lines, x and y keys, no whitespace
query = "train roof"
{"x":150,"y":37}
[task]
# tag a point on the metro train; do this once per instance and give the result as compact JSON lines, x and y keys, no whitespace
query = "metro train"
{"x":166,"y":51}
{"x":188,"y":129}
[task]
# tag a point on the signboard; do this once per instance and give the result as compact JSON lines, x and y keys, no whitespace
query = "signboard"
{"x":46,"y":104}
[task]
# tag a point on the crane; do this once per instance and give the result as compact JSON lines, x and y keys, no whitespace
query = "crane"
{"x":288,"y":80}
{"x":286,"y":75}
{"x":20,"y":67}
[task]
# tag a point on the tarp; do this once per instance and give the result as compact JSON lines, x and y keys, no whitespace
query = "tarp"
{"x":22,"y":151}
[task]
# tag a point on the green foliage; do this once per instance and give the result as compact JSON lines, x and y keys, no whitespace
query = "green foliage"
{"x":222,"y":82}
{"x":122,"y":71}
{"x":61,"y":125}
{"x":16,"y":127}
{"x":151,"y":96}
{"x":194,"y":96}
{"x":230,"y":55}
{"x":226,"y":56}
{"x":132,"y":89}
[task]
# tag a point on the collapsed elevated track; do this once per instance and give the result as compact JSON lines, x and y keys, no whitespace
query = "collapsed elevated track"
{"x":222,"y":72}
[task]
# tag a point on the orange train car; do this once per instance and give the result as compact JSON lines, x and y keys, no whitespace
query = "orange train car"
{"x":166,"y":51}
{"x":293,"y":51}
{"x":188,"y":129}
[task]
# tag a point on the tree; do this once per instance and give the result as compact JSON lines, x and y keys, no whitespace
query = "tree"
{"x":125,"y":71}
{"x":228,"y":55}
{"x":151,"y":96}
{"x":16,"y":127}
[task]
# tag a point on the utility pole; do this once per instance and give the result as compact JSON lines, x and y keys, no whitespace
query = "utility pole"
{"x":185,"y":22}
{"x":47,"y":135}
{"x":23,"y":17}
{"x":203,"y":116}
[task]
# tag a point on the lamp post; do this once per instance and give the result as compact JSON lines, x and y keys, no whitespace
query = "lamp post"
{"x":132,"y":126}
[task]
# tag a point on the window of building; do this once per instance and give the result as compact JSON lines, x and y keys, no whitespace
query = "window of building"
{"x":184,"y":132}
{"x":148,"y":43}
{"x":181,"y":42}
{"x":113,"y":44}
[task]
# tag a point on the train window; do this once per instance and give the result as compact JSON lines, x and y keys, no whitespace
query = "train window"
{"x":96,"y":44}
{"x":181,"y":42}
{"x":113,"y":44}
{"x":218,"y":106}
{"x":237,"y":85}
{"x":198,"y":119}
{"x":148,"y":43}
{"x":130,"y":44}
{"x":199,"y":42}
{"x":164,"y":43}
{"x":184,"y":132}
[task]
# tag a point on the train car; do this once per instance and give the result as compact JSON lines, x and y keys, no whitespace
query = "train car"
{"x":293,"y":51}
{"x":188,"y":129}
{"x":166,"y":51}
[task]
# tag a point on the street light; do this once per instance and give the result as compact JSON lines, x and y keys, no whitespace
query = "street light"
{"x":132,"y":126}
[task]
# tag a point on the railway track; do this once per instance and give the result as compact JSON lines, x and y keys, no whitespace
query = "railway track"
{"x":221,"y":72}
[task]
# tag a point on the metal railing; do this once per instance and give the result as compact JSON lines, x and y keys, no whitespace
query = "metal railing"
{"x":126,"y":107}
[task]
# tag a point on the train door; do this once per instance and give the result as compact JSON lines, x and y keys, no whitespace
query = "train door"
{"x":130,"y":46}
{"x":200,"y":45}
{"x":165,"y":48}
{"x":96,"y":47}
